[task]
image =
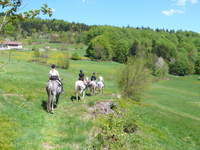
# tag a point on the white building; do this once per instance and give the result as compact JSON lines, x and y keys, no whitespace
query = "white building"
{"x":10,"y":45}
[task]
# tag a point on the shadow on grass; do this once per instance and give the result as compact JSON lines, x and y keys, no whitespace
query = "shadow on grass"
{"x":44,"y":105}
{"x":73,"y":98}
{"x":88,"y":94}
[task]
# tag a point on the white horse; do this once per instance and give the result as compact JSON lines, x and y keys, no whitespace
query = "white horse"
{"x":53,"y":91}
{"x":100,"y":85}
{"x":80,"y":88}
{"x":93,"y":86}
{"x":101,"y":79}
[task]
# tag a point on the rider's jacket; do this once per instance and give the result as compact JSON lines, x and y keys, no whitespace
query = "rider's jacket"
{"x":53,"y":74}
{"x":93,"y":78}
{"x":81,"y":76}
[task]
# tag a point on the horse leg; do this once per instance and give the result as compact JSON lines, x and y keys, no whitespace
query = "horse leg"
{"x":77,"y":96}
{"x":52,"y":102}
{"x":94,"y":90}
{"x":83,"y":95}
{"x":90,"y":90}
{"x":57,"y":98}
{"x":49,"y":103}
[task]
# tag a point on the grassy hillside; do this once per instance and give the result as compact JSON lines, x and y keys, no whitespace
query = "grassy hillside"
{"x":168,"y":118}
{"x":26,"y":125}
{"x":171,"y":110}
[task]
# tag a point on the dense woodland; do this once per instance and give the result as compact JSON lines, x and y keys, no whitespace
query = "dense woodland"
{"x":166,"y":50}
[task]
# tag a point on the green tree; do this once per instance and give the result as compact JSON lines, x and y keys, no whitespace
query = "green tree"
{"x":165,"y":49}
{"x":197,"y":66}
{"x":121,"y":52}
{"x":100,"y":48}
{"x":182,"y":66}
{"x":10,"y":12}
{"x":134,"y":78}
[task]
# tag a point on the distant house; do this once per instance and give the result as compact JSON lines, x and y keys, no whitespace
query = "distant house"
{"x":10,"y":45}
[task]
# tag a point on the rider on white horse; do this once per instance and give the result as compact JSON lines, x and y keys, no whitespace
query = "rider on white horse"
{"x":100,"y":84}
{"x":92,"y":83}
{"x":54,"y":75}
{"x":101,"y":79}
{"x":81,"y":75}
{"x":93,"y":77}
{"x":80,"y":87}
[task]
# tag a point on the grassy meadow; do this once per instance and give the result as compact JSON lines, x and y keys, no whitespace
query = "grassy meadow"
{"x":168,"y":117}
{"x":170,"y":113}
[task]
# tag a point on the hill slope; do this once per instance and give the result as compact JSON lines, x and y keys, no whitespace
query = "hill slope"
{"x":171,"y":110}
{"x":168,"y":118}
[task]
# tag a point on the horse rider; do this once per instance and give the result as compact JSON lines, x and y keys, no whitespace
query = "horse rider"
{"x":81,"y":75}
{"x":54,"y":75}
{"x":93,"y":77}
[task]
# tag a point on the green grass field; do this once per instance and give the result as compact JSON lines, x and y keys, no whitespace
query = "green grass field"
{"x":70,"y":48}
{"x":168,"y":117}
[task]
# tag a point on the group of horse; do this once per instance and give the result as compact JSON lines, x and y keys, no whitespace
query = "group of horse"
{"x":93,"y":86}
{"x":54,"y":90}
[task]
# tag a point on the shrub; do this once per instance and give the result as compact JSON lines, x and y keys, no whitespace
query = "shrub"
{"x":161,"y":68}
{"x":197,"y":66}
{"x":134,"y":78}
{"x":117,"y":131}
{"x":181,"y":67}
{"x":75,"y":56}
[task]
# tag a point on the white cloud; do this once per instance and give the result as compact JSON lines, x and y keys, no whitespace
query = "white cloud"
{"x":172,"y":12}
{"x":184,"y":2}
{"x":181,"y":4}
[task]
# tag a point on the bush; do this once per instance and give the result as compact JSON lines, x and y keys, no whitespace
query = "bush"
{"x":161,"y":68}
{"x":134,"y":78}
{"x":117,"y":131}
{"x":181,"y":67}
{"x":75,"y":56}
{"x":197,"y":66}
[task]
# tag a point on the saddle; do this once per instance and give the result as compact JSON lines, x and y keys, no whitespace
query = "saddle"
{"x":55,"y":78}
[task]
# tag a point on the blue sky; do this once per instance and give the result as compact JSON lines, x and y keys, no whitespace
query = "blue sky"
{"x":168,"y":14}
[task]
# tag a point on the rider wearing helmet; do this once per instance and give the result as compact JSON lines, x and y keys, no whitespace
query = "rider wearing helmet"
{"x":54,"y":75}
{"x":81,"y":75}
{"x":93,"y":77}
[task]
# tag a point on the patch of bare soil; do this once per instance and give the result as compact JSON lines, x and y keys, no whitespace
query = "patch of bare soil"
{"x":103,"y":107}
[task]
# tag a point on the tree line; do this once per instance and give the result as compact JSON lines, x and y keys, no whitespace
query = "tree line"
{"x":179,"y":51}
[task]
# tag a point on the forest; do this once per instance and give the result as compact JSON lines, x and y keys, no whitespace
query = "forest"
{"x":178,"y":51}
